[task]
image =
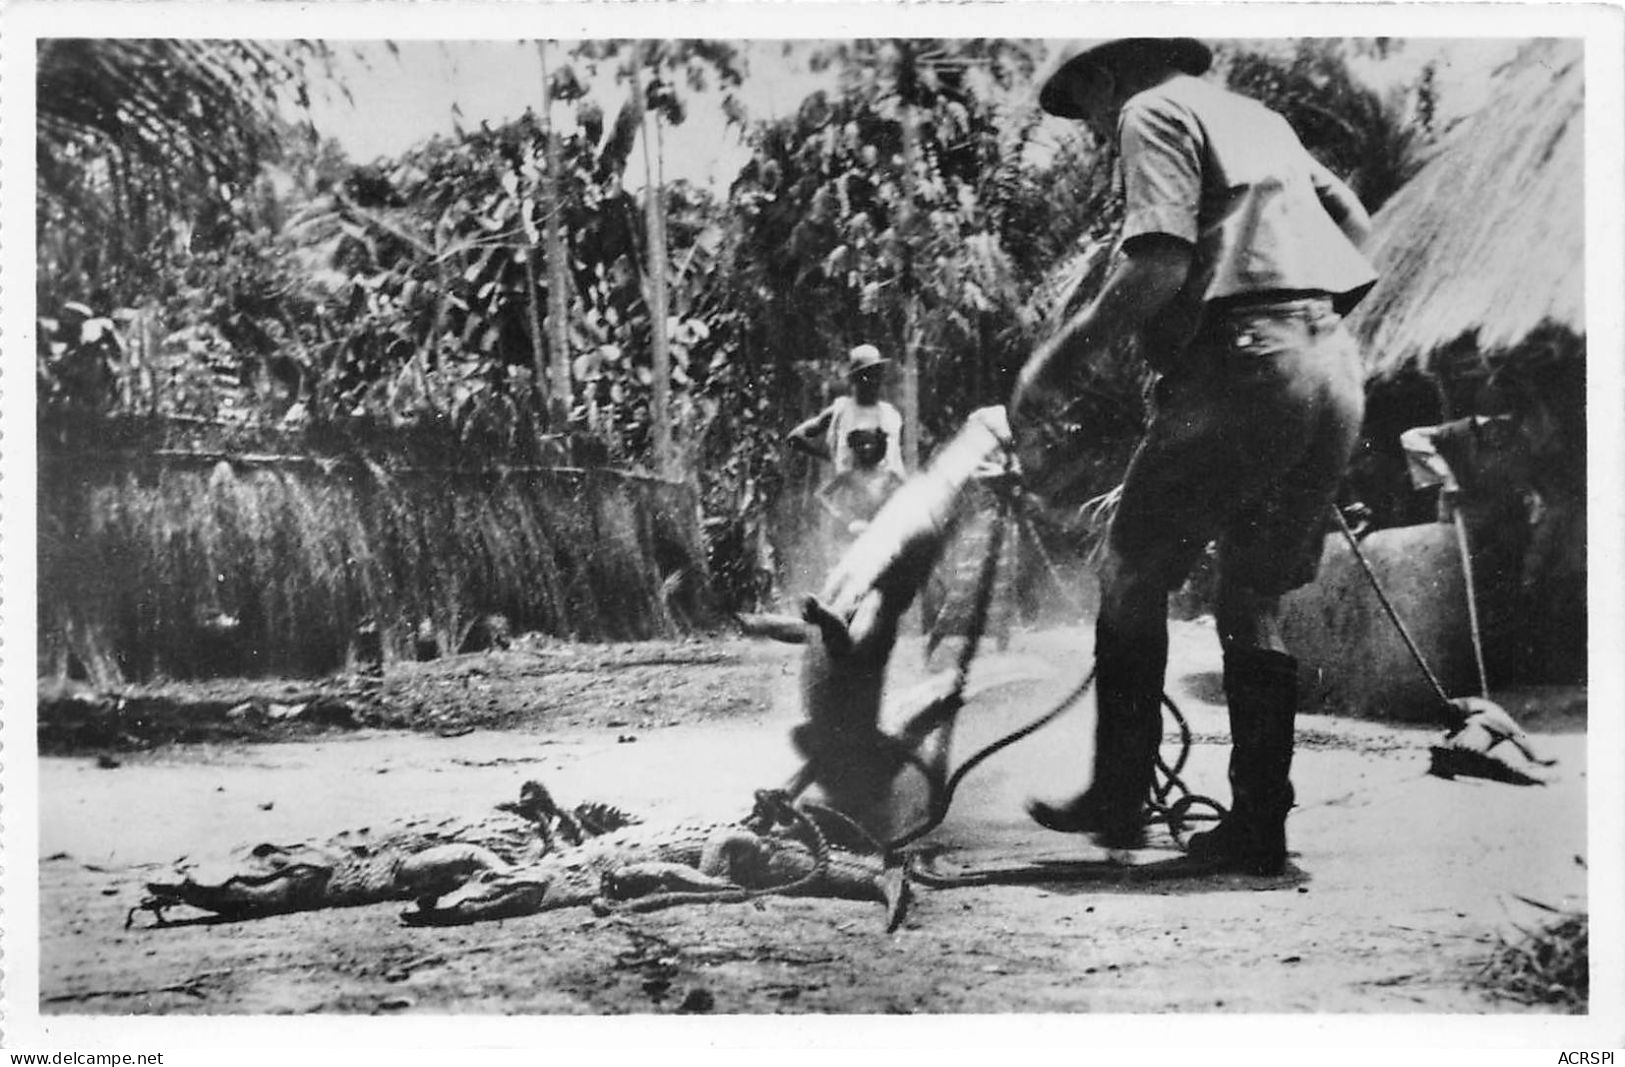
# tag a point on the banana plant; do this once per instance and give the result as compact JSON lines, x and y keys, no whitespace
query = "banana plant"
{"x":652,"y":69}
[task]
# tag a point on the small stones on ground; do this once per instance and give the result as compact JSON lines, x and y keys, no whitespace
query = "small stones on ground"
{"x":397,"y":1003}
{"x":625,"y":739}
{"x":268,"y":805}
{"x":106,"y":762}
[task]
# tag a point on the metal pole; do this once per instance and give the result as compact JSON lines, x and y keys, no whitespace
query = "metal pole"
{"x":1460,"y":523}
{"x":1387,"y":605}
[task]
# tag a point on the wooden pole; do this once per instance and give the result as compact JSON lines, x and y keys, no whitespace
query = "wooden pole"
{"x":558,"y":276}
{"x":660,"y":354}
{"x":907,"y":357}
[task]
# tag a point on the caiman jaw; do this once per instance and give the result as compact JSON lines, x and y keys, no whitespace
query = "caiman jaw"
{"x":289,"y":889}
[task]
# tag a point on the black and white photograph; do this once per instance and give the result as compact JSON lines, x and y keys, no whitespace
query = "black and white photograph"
{"x":529,"y":512}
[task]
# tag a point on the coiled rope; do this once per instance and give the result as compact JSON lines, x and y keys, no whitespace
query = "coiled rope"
{"x":1172,"y":802}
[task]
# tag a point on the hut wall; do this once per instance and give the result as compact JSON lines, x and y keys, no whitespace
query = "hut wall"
{"x":1353,"y":659}
{"x":187,"y":563}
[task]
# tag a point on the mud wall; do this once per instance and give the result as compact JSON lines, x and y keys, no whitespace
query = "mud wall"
{"x":1353,"y":660}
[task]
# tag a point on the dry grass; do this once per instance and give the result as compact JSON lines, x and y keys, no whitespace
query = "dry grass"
{"x":1547,"y":965}
{"x":1488,"y":240}
{"x":188,"y":572}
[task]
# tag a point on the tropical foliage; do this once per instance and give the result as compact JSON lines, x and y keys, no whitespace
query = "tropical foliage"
{"x":202,"y":256}
{"x":149,"y":145}
{"x":1374,"y":140}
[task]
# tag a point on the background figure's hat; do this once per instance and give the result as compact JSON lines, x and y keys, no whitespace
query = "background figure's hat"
{"x":864,"y":357}
{"x":1185,"y":54}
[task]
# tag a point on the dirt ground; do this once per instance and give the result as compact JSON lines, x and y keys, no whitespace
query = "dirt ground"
{"x":1404,"y":882}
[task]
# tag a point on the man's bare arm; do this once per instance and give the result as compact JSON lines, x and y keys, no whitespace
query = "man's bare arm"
{"x":1144,"y":281}
{"x":809,"y":436}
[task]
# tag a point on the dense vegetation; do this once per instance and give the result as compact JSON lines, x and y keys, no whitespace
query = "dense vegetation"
{"x":204,"y":257}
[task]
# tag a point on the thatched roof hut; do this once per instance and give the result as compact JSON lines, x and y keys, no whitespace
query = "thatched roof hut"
{"x":1482,"y":264}
{"x":1485,"y":247}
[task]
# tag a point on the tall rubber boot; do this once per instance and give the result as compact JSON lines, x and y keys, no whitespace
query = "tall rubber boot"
{"x":1261,"y":687}
{"x":1128,"y":730}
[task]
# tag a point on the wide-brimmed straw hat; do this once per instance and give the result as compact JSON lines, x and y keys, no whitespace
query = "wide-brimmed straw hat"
{"x":1185,"y":54}
{"x":862,"y":358}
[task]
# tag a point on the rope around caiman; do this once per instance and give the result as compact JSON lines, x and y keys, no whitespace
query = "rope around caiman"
{"x":774,"y":807}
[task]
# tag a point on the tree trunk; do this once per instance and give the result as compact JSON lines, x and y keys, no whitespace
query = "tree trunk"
{"x":558,"y":277}
{"x":660,"y":355}
{"x":533,"y":317}
{"x":908,"y":357}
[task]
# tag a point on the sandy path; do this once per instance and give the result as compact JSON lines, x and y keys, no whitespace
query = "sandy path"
{"x":1405,"y":881}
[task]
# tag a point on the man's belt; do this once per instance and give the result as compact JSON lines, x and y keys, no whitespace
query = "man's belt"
{"x":1266,"y":299}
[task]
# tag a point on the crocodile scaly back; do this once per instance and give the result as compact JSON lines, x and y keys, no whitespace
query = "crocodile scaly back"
{"x":410,"y":859}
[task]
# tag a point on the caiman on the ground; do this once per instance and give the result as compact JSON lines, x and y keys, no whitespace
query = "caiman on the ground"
{"x":418,"y":858}
{"x":534,"y":856}
{"x":781,"y":849}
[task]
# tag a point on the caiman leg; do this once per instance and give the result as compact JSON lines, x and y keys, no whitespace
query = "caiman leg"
{"x":428,"y":875}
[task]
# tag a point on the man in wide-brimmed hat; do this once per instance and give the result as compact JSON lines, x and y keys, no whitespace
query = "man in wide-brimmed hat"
{"x":828,"y":434}
{"x":1238,"y":257}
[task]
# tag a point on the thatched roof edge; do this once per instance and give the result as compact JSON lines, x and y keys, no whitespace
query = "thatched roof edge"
{"x":1487,"y":241}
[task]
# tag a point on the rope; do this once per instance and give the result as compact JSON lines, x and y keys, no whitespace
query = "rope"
{"x":1178,"y":813}
{"x":941,"y":792}
{"x":773,"y":807}
{"x":940,"y":797}
{"x":944,"y":794}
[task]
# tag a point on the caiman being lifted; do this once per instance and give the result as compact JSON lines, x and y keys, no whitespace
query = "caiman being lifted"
{"x":852,"y":624}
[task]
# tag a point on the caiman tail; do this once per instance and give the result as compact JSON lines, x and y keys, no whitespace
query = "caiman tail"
{"x":853,"y":621}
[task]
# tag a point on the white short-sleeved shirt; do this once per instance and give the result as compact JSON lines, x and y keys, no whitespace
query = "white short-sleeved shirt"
{"x":846,"y":415}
